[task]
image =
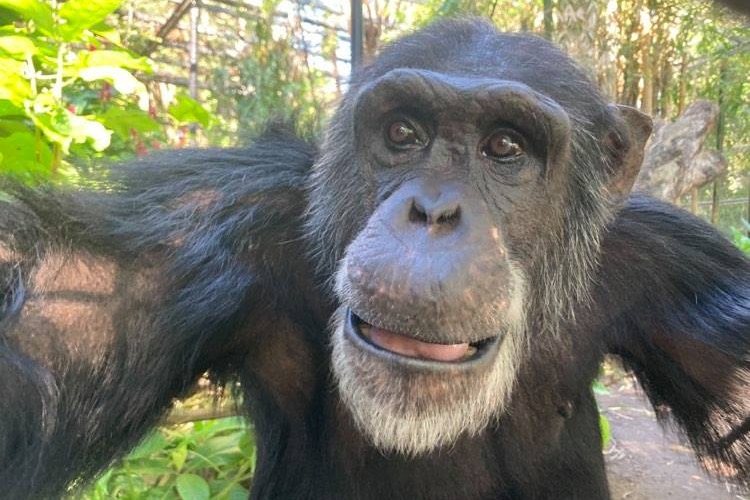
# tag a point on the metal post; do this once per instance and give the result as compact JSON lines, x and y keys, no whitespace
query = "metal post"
{"x":195,"y":13}
{"x":357,"y":38}
{"x":548,"y":26}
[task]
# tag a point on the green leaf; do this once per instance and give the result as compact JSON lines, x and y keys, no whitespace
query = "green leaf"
{"x":228,"y":424}
{"x":605,"y":430}
{"x":149,"y":467}
{"x":187,"y":110}
{"x":81,"y":15}
{"x":32,"y":10}
{"x":12,"y":125}
{"x":24,"y":155}
{"x":192,"y":487}
{"x":219,"y":445}
{"x":599,"y":388}
{"x":13,"y":87}
{"x":237,"y":492}
{"x":118,"y":58}
{"x":246,"y":444}
{"x":740,"y":238}
{"x":55,"y":126}
{"x":269,"y":6}
{"x":7,"y":108}
{"x":108,"y":33}
{"x":121,"y":79}
{"x":179,"y":455}
{"x":18,"y":47}
{"x":122,"y":121}
{"x":153,"y":443}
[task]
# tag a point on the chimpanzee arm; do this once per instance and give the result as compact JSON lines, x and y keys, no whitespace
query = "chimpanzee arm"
{"x":678,"y":308}
{"x":113,"y":301}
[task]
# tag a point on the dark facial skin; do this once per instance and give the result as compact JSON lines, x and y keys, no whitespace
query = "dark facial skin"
{"x":472,"y":159}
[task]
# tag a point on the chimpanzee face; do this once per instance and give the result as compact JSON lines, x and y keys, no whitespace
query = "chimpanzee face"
{"x":434,"y":296}
{"x":465,"y":195}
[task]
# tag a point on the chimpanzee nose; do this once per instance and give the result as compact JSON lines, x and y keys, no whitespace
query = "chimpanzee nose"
{"x":440,"y":213}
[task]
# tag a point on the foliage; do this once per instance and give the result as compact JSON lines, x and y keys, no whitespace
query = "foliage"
{"x":271,"y":81}
{"x":211,"y":459}
{"x":741,"y":237}
{"x":720,"y":73}
{"x":274,"y":86}
{"x":604,"y":428}
{"x":68,"y":89}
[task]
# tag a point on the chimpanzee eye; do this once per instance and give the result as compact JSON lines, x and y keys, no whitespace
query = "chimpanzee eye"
{"x":502,"y":145}
{"x":402,"y":134}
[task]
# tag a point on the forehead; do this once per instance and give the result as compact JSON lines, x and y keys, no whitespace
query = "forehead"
{"x":475,"y":50}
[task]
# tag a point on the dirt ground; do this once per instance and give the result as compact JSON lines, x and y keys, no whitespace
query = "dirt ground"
{"x":646,"y":462}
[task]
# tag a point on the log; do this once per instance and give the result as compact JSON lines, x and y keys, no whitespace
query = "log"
{"x":677,"y":159}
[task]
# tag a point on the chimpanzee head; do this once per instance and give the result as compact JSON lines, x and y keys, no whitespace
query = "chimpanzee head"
{"x":457,"y":207}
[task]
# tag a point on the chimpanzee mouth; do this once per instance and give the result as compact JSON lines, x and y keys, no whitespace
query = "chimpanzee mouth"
{"x":404,"y":348}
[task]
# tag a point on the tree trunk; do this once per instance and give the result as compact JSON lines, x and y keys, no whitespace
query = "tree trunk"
{"x":683,"y":85}
{"x":719,"y":140}
{"x":694,"y":200}
{"x":676,"y":160}
{"x":647,"y":97}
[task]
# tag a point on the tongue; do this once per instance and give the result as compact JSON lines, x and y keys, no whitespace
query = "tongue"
{"x":408,"y":346}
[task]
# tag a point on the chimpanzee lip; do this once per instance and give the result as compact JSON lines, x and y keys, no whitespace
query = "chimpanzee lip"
{"x":482,"y":349}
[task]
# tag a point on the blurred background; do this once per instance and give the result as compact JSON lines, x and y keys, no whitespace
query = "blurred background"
{"x":84,"y":83}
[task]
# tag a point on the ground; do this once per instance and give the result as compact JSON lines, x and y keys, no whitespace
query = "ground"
{"x":646,"y":462}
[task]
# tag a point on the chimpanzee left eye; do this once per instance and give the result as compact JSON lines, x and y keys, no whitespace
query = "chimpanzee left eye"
{"x":502,"y":145}
{"x":402,"y":134}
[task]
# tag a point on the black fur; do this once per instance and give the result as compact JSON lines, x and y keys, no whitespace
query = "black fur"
{"x":685,"y":330}
{"x":161,"y":342}
{"x":204,"y":260}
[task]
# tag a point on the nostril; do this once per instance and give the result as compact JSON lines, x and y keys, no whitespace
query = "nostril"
{"x":449,"y":218}
{"x":438,"y":217}
{"x":417,"y":213}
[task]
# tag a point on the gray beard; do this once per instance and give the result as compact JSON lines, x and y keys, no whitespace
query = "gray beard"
{"x":413,"y":412}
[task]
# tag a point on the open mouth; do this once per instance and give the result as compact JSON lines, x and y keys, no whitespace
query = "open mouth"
{"x":405,"y":346}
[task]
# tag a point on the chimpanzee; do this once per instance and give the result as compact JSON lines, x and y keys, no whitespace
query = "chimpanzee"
{"x":416,"y":310}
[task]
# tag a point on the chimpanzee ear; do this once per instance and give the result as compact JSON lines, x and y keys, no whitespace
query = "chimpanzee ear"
{"x":625,"y":143}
